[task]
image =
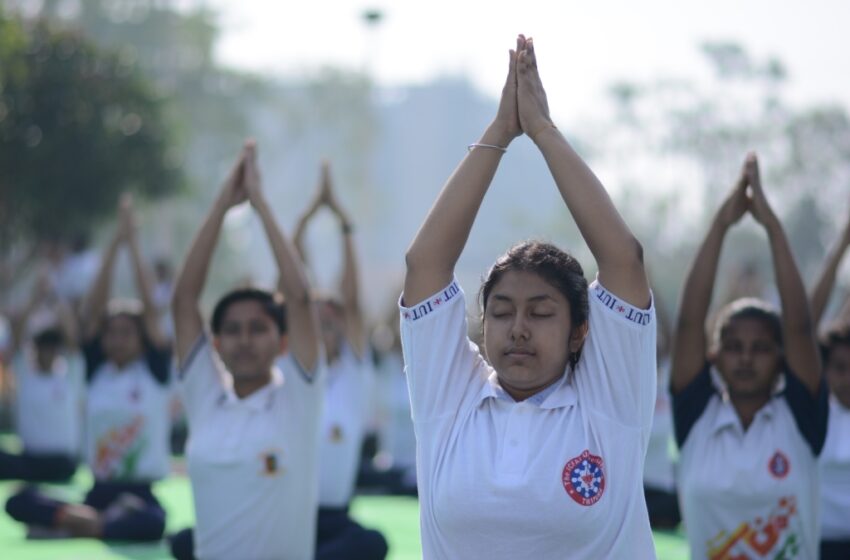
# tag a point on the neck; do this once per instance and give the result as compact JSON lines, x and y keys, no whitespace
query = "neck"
{"x":747,"y":406}
{"x":519,"y":394}
{"x":45,"y":365}
{"x":246,"y":386}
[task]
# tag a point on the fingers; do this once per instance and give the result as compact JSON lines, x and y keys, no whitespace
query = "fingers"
{"x":251,"y":173}
{"x":751,"y":166}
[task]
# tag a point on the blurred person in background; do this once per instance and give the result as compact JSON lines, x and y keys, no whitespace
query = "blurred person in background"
{"x":395,"y":468}
{"x":835,"y":458}
{"x":126,"y":421}
{"x":659,"y":476}
{"x":48,"y":373}
{"x":749,"y":408}
{"x":348,"y":395}
{"x":252,"y":453}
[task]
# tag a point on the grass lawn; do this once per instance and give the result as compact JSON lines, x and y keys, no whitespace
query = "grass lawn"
{"x":396,"y":517}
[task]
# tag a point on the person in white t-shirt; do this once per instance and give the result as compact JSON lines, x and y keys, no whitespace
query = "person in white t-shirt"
{"x":350,"y":383}
{"x":750,"y":411}
{"x":252,"y":452}
{"x":659,"y":478}
{"x":49,"y":373}
{"x":536,"y":450}
{"x":126,"y":420}
{"x":835,"y":458}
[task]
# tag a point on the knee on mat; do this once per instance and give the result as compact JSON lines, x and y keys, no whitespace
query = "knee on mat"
{"x":373,"y":544}
{"x":17,"y":504}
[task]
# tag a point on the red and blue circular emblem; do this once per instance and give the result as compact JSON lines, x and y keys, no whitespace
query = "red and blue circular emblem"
{"x":779,"y":465}
{"x":584,"y":478}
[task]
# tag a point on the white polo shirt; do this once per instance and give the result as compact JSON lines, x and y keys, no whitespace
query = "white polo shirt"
{"x":753,"y":493}
{"x":48,"y":405}
{"x":658,"y":470}
{"x":127,"y":419}
{"x":835,"y":475}
{"x":397,"y":437}
{"x":554,"y":479}
{"x":349,"y":386}
{"x":252,"y":462}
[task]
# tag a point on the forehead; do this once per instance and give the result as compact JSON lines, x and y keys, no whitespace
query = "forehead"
{"x":245,"y":310}
{"x":520,"y":286}
{"x":746,"y":328}
{"x":120,"y":321}
{"x":839,"y":351}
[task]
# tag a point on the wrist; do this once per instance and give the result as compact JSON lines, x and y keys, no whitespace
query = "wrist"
{"x":497,"y":135}
{"x":541,"y":130}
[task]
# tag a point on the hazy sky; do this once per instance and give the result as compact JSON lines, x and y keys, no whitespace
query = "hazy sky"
{"x":582,"y":46}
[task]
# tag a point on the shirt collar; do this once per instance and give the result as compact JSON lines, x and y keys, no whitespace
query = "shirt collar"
{"x":257,"y":401}
{"x":727,"y":416}
{"x":558,"y":395}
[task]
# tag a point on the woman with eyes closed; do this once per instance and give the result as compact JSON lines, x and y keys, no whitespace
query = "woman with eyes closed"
{"x":534,"y":454}
{"x":750,"y":411}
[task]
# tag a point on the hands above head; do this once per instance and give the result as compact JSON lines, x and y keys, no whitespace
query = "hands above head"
{"x":758,"y":205}
{"x":233,"y":192}
{"x":126,"y":217}
{"x":533,"y":107}
{"x":507,"y":117}
{"x":251,"y":183}
{"x":737,"y":202}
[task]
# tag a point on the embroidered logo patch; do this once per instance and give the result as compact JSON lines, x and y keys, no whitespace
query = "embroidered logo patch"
{"x":270,"y":462}
{"x":584,"y":478}
{"x":779,"y":465}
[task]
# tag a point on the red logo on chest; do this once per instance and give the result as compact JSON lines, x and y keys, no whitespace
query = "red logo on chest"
{"x":584,"y":478}
{"x":779,"y":465}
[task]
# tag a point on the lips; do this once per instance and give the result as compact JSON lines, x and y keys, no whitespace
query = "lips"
{"x":519,"y":352}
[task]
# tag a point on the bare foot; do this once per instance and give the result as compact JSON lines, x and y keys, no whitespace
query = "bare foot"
{"x":81,"y":521}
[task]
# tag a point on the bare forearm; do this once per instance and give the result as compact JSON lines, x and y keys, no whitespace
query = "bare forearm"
{"x":441,"y":239}
{"x":301,"y":229}
{"x":699,"y":283}
{"x":100,"y":292}
{"x":292,"y":281}
{"x":144,"y":289}
{"x":192,"y":277}
{"x":826,"y":282}
{"x":795,"y":307}
{"x":618,"y":254}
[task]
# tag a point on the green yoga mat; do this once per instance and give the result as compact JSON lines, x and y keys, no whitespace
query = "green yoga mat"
{"x":396,"y":517}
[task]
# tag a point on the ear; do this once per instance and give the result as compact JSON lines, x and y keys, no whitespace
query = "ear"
{"x":577,"y":337}
{"x":284,"y":343}
{"x":216,"y":343}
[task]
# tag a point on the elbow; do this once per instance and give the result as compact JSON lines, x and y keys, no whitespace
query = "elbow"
{"x":636,"y":253}
{"x":411,"y":260}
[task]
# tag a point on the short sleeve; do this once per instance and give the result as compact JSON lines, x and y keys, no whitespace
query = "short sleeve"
{"x":94,"y":357}
{"x":690,"y":403}
{"x":443,"y":367}
{"x":616,"y":376}
{"x":201,"y":378}
{"x":298,"y":379}
{"x":811,"y":412}
{"x":159,"y":362}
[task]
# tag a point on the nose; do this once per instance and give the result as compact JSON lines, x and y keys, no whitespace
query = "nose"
{"x":519,"y":328}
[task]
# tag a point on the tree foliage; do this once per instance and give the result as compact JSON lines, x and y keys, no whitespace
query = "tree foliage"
{"x":79,"y":124}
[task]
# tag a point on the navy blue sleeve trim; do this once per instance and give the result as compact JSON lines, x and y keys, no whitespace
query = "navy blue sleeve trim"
{"x":689,"y":404}
{"x":159,"y":362}
{"x":190,"y":357}
{"x":303,"y":371}
{"x":810,"y":412}
{"x":93,"y":355}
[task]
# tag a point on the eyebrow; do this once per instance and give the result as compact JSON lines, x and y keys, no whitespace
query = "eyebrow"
{"x":533,"y":299}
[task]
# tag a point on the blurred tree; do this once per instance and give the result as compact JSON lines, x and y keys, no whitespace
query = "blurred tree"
{"x":78,"y":126}
{"x":678,"y":145}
